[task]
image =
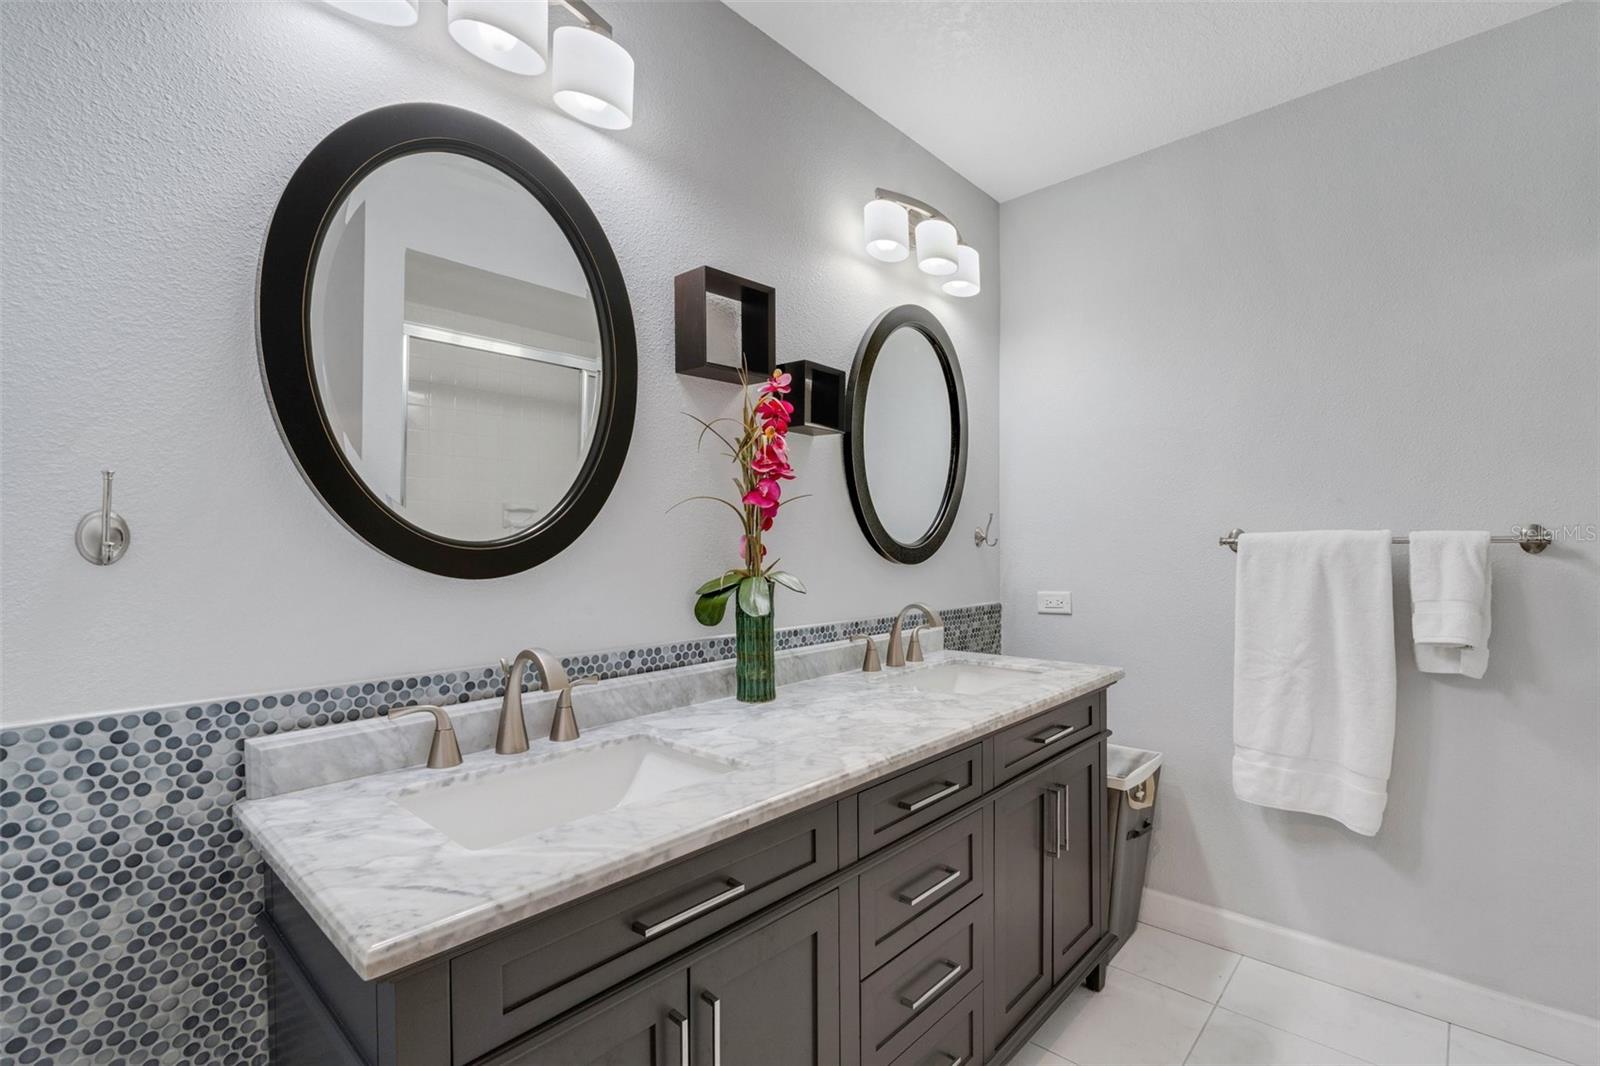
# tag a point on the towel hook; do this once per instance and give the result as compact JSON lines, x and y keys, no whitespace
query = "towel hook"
{"x":981,"y":538}
{"x":103,"y":535}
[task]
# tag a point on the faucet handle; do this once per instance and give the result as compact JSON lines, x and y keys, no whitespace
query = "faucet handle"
{"x":564,"y":723}
{"x":914,"y":649}
{"x":443,"y":752}
{"x":869,"y":663}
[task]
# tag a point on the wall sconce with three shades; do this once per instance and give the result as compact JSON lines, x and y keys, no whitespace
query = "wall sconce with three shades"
{"x":592,"y":74}
{"x":897,"y":224}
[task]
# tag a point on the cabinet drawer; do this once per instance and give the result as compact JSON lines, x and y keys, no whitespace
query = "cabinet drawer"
{"x":918,"y":886}
{"x":511,"y":985}
{"x":907,"y":995}
{"x":918,"y":797}
{"x":955,"y":1040}
{"x":1044,"y":736}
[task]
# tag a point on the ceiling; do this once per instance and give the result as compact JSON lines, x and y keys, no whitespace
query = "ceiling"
{"x":1020,"y":95}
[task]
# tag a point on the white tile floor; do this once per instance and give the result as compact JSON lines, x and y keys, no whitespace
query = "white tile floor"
{"x":1170,"y":1001}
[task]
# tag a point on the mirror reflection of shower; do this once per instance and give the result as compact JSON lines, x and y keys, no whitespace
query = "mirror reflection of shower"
{"x":495,"y":431}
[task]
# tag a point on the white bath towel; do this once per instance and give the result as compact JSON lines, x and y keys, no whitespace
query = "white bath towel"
{"x":1314,"y":674}
{"x":1450,"y":601}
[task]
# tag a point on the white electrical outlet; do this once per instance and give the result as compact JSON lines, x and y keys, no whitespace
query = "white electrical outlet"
{"x":1055,"y":603}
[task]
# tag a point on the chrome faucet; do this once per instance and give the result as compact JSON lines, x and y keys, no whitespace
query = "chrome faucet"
{"x":512,"y":736}
{"x":897,"y":654}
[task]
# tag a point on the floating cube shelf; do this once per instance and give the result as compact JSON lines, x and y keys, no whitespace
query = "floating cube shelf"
{"x":722,"y":317}
{"x":818,"y":397}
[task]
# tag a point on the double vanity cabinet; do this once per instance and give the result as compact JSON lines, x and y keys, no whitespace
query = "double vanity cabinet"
{"x":933,"y":917}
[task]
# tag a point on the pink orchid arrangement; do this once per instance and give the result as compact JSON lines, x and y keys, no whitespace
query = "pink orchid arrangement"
{"x":760,"y":452}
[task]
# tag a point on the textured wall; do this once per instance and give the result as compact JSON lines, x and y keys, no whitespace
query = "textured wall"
{"x":1371,"y":307}
{"x":145,"y":148}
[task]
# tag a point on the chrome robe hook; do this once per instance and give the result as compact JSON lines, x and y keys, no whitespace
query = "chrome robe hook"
{"x":103,"y":535}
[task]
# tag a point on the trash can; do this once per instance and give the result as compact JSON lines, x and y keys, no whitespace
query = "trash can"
{"x":1133,"y":776}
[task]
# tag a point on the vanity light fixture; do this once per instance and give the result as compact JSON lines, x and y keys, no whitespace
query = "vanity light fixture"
{"x":936,"y":246}
{"x":895,"y":224}
{"x":888,"y":226}
{"x":383,"y":12}
{"x":964,"y":282}
{"x":513,"y":35}
{"x":592,"y":74}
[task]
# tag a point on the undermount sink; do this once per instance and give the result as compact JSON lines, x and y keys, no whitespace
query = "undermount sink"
{"x":499,"y":807}
{"x":961,"y":679}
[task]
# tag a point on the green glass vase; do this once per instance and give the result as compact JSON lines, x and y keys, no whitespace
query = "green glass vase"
{"x":754,"y":658}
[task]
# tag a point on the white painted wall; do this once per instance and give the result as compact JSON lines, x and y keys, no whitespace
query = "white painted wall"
{"x":1371,"y":307}
{"x":145,"y":149}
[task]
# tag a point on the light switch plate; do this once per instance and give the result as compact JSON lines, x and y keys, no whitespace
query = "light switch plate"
{"x":1055,"y":603}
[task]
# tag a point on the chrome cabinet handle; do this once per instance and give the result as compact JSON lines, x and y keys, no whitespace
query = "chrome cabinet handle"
{"x":916,"y":1004}
{"x":645,"y":929}
{"x":941,"y":790}
{"x":1056,"y":792}
{"x":716,"y":1027}
{"x":1063,"y":831}
{"x":683,"y":1036}
{"x":1059,"y":734}
{"x":917,"y":899}
{"x":955,"y":1060}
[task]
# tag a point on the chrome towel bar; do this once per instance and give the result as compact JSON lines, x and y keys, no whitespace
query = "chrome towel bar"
{"x":1532,"y":539}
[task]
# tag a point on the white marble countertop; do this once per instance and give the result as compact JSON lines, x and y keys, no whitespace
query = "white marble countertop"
{"x":389,"y":890}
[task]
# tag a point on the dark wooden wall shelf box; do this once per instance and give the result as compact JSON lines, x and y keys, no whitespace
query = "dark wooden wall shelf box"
{"x":758,"y":324}
{"x":939,"y":914}
{"x":818,"y":396}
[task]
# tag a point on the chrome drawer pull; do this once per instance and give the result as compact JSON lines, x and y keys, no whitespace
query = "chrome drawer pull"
{"x":916,"y":900}
{"x":942,"y":789}
{"x":716,"y":1027}
{"x":683,"y":1036}
{"x":955,"y":1060}
{"x":956,"y":970}
{"x":734,"y":890}
{"x":1059,"y":734}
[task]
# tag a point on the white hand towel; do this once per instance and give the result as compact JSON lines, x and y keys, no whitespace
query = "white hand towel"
{"x":1450,"y":601}
{"x":1314,"y":674}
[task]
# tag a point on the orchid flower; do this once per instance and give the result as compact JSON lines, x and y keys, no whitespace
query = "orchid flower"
{"x":761,"y":454}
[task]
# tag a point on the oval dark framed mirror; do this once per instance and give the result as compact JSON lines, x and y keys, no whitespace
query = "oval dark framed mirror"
{"x":446,"y":341}
{"x":905,"y":454}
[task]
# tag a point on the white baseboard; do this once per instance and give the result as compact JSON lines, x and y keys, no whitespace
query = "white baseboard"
{"x":1562,"y":1034}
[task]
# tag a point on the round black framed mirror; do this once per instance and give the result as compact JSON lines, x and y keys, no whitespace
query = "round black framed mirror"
{"x":905,"y":453}
{"x":446,"y":341}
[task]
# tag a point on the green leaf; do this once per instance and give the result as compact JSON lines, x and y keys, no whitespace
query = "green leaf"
{"x":788,"y":581}
{"x":755,"y":597}
{"x":709,"y":609}
{"x":713,"y":499}
{"x":717,"y":584}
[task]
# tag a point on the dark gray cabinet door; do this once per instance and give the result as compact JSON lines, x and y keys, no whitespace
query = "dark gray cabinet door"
{"x":772,"y":996}
{"x":1020,"y":966}
{"x":1077,"y":786}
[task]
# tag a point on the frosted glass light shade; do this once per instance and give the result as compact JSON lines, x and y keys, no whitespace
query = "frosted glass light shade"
{"x":887,"y":224}
{"x":964,"y":282}
{"x":593,"y":78}
{"x":936,"y":247}
{"x":513,"y":35}
{"x":383,"y":12}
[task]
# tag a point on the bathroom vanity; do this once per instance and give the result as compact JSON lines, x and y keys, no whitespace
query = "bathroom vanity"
{"x":898,"y":868}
